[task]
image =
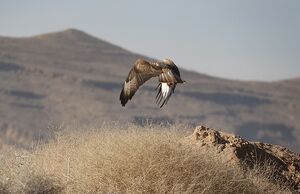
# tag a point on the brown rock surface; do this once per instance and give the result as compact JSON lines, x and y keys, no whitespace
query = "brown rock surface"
{"x":245,"y":154}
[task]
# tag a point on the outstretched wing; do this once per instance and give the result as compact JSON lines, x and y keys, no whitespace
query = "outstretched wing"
{"x":168,"y":81}
{"x":138,"y":75}
{"x":170,"y":75}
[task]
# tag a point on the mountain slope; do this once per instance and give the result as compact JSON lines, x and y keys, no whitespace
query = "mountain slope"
{"x":73,"y":78}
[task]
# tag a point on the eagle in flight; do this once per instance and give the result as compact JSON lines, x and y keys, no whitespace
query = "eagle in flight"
{"x":143,"y":70}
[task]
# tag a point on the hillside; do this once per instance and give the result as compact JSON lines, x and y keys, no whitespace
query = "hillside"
{"x":72,"y":78}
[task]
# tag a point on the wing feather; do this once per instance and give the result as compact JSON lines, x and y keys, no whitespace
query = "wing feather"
{"x":165,"y":91}
{"x":170,"y":76}
{"x":138,"y":75}
{"x":168,"y":80}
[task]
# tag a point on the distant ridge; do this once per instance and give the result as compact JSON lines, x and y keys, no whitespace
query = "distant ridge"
{"x":73,"y":35}
{"x":69,"y":44}
{"x":70,"y":33}
{"x":70,"y":36}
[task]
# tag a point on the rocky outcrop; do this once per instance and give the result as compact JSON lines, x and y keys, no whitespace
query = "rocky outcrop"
{"x":235,"y":150}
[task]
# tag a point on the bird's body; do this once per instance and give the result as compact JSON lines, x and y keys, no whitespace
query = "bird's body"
{"x":143,"y":70}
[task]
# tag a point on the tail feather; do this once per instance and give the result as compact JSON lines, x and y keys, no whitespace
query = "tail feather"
{"x":123,"y":97}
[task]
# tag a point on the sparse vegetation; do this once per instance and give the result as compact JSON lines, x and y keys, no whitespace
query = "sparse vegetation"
{"x":134,"y":160}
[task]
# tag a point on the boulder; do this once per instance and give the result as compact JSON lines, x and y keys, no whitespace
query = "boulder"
{"x":234,"y":150}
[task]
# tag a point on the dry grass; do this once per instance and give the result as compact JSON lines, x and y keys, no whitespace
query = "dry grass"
{"x":134,"y":160}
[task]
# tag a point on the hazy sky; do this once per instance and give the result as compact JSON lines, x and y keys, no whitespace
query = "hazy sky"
{"x":237,"y":39}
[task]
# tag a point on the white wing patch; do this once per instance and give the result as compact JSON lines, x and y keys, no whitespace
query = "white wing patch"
{"x":165,"y":90}
{"x":164,"y":93}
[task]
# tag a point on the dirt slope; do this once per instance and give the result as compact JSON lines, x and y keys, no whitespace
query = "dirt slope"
{"x":246,"y":154}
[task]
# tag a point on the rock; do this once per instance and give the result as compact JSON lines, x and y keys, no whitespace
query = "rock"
{"x":234,"y":150}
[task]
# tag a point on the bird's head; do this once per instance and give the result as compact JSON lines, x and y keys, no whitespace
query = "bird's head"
{"x":168,"y":61}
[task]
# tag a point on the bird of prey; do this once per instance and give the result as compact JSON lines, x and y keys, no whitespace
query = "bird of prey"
{"x":142,"y":71}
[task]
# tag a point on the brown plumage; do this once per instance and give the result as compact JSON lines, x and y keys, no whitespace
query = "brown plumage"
{"x":143,"y":70}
